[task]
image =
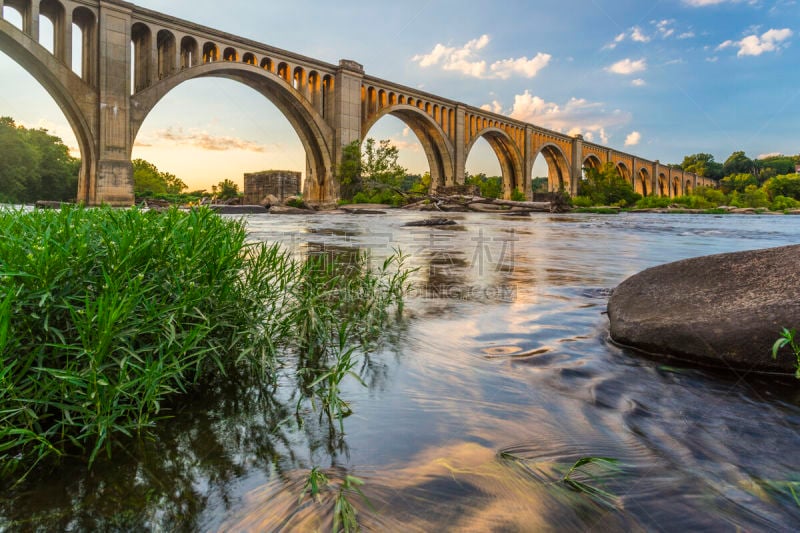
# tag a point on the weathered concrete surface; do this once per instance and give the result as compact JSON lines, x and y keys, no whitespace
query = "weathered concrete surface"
{"x":722,"y":310}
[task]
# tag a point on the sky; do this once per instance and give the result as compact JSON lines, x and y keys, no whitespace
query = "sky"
{"x":658,"y":78}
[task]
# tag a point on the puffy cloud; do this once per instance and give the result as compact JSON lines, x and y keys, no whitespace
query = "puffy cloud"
{"x":577,"y":116}
{"x":638,"y":36}
{"x":755,"y":45}
{"x":467,"y":61}
{"x":633,"y":138}
{"x":628,"y":66}
{"x":199,"y":139}
{"x":522,"y":66}
{"x":638,"y":82}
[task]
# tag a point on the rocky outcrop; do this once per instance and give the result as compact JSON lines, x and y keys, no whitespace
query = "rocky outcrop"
{"x":722,"y":310}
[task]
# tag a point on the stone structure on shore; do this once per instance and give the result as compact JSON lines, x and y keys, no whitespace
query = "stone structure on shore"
{"x":724,"y":311}
{"x":281,"y":184}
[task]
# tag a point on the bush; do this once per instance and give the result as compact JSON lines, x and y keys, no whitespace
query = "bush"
{"x":782,"y":203}
{"x":582,"y":201}
{"x":652,"y":202}
{"x":107,"y":315}
{"x":517,"y":195}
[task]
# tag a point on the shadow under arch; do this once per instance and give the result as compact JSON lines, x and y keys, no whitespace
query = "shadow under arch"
{"x":558,"y":172}
{"x":315,"y":135}
{"x":76,"y":99}
{"x":508,"y":154}
{"x":437,"y":147}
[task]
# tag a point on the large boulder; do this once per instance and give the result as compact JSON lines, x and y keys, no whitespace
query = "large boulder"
{"x":722,"y":310}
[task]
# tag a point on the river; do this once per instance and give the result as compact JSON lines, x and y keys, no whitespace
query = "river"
{"x":499,"y":377}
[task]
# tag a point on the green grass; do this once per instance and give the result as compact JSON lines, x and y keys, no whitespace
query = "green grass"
{"x":108,"y":316}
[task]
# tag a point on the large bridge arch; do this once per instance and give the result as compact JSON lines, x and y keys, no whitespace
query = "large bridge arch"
{"x":558,"y":167}
{"x":314,"y":134}
{"x":76,"y":99}
{"x":438,"y":149}
{"x":508,"y":154}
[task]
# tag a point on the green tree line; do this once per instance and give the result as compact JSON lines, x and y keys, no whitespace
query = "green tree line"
{"x":35,"y":165}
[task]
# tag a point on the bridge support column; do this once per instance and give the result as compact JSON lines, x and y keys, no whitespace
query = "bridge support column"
{"x":113,"y":183}
{"x":460,"y":146}
{"x":654,"y":188}
{"x":527,"y":164}
{"x":577,"y":164}
{"x":347,"y":123}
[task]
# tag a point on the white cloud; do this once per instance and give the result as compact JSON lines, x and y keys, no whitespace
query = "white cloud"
{"x":577,"y":116}
{"x":686,"y":35}
{"x":664,"y":27}
{"x":638,"y":36}
{"x":467,"y":61}
{"x":633,"y":139}
{"x":703,"y":3}
{"x":522,"y":66}
{"x":628,"y":66}
{"x":199,"y":139}
{"x":638,"y":82}
{"x":771,"y":154}
{"x":755,"y":45}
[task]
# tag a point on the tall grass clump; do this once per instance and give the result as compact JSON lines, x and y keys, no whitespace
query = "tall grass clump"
{"x":107,"y":316}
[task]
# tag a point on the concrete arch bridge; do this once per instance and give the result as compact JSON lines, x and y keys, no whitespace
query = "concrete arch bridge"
{"x":131,"y":57}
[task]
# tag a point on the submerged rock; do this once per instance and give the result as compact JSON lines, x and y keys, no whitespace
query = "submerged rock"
{"x":722,"y":310}
{"x":223,"y":209}
{"x":431,"y":222}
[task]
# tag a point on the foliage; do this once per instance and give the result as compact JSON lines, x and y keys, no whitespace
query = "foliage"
{"x":149,"y":181}
{"x":787,"y":185}
{"x":788,"y":338}
{"x":490,"y":187}
{"x":737,"y":182}
{"x":605,"y":186}
{"x":225,"y":189}
{"x":372,"y":170}
{"x":517,"y":195}
{"x":782,"y":203}
{"x":702,"y":165}
{"x":35,"y":165}
{"x":106,"y":316}
{"x":739,"y":163}
{"x":582,"y":201}
{"x":539,"y":184}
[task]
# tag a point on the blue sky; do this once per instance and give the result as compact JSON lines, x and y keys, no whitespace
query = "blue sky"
{"x":661,"y":79}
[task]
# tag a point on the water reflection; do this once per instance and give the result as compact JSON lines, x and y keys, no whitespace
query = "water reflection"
{"x":503,"y":348}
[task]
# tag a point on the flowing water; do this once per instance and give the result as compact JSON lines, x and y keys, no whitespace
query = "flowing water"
{"x":498,"y":379}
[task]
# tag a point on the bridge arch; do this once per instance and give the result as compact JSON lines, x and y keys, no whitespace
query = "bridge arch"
{"x":508,"y":154}
{"x":438,"y":149}
{"x":312,"y":131}
{"x":558,"y":172}
{"x":642,"y":185}
{"x":663,"y":185}
{"x":592,"y":161}
{"x":78,"y":101}
{"x":625,"y":172}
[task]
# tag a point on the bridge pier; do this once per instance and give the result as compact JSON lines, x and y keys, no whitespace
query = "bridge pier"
{"x":113,"y":168}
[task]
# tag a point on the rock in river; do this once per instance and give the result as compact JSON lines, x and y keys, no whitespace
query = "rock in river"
{"x":722,"y":310}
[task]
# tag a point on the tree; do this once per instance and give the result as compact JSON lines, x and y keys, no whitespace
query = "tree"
{"x":371,"y":172}
{"x":225,"y":190}
{"x":737,"y":182}
{"x":148,"y":180}
{"x":738,"y":163}
{"x":787,"y":185}
{"x":490,"y":187}
{"x":702,"y":165}
{"x":35,"y":165}
{"x":605,"y":186}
